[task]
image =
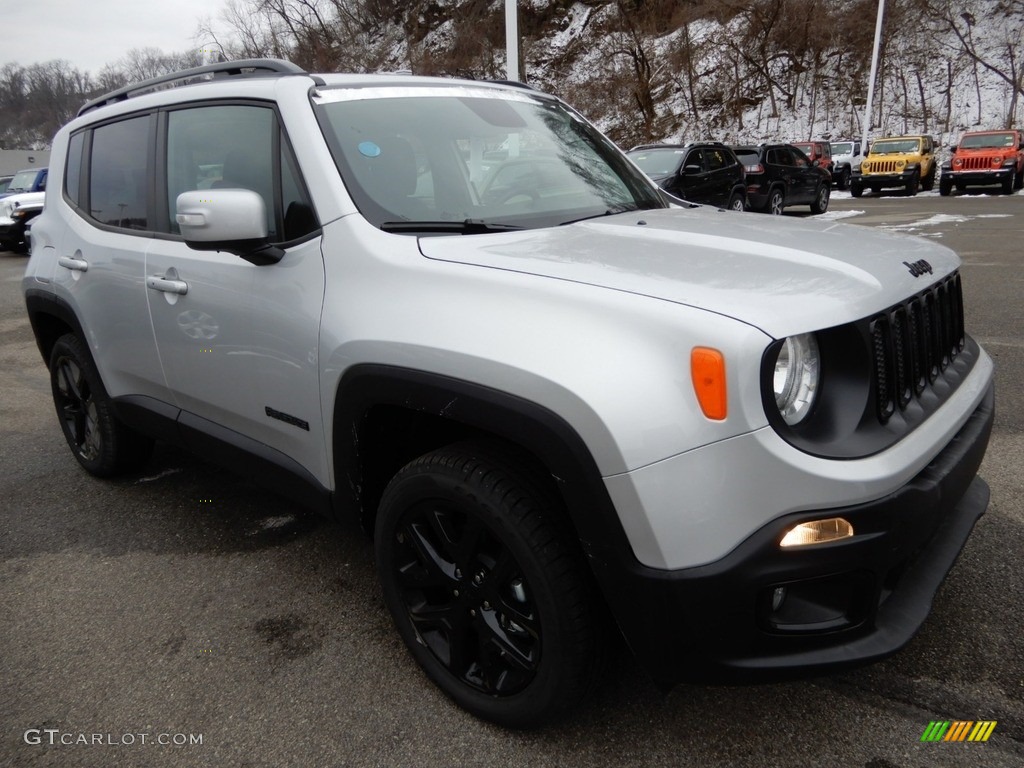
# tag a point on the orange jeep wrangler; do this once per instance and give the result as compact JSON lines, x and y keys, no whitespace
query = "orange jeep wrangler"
{"x":984,"y":158}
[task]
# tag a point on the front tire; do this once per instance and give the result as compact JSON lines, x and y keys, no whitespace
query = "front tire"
{"x":1008,"y":184}
{"x":945,"y":187}
{"x":913,"y":183}
{"x":856,"y":190}
{"x":100,"y":442}
{"x":736,"y":203}
{"x":928,"y":184}
{"x":490,"y":595}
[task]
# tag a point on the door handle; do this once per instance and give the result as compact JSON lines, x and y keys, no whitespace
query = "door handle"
{"x":78,"y":265}
{"x":167,"y":285}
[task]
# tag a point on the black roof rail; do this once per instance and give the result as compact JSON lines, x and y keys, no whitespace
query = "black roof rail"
{"x":241,"y":68}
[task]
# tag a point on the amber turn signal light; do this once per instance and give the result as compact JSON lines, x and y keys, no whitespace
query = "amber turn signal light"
{"x":707,"y":368}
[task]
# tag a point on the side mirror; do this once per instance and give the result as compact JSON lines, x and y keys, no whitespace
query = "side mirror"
{"x":952,"y":148}
{"x":232,"y":220}
{"x":689,"y":170}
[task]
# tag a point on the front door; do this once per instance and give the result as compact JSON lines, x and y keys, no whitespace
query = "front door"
{"x":239,"y":342}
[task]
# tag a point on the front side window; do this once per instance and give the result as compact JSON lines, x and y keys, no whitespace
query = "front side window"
{"x":221,"y":147}
{"x":237,"y":147}
{"x":473,"y":156}
{"x":119,"y":173}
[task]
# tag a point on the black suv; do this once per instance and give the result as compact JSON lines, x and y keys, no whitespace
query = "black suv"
{"x":705,"y":172}
{"x":780,"y":175}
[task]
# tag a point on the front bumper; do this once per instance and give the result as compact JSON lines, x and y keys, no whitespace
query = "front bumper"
{"x":847,"y":603}
{"x":981,"y":178}
{"x":882,"y":180}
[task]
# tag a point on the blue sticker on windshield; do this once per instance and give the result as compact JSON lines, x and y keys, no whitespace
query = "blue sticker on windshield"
{"x":369,"y":149}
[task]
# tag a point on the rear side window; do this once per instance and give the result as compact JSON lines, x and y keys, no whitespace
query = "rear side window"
{"x":718,"y":159}
{"x":119,"y":173}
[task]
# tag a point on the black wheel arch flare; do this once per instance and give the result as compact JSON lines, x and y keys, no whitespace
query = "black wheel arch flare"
{"x":378,"y":406}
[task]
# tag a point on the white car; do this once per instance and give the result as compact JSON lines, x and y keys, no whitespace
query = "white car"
{"x":551,"y":396}
{"x":16,"y":211}
{"x":846,"y":158}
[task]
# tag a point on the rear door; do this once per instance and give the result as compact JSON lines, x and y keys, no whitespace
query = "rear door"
{"x":804,"y":176}
{"x":101,"y":254}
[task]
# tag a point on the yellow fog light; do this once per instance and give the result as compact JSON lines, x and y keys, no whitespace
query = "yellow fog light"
{"x":817,"y":532}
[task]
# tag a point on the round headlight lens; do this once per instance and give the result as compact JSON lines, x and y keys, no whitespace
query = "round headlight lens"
{"x":796,"y":377}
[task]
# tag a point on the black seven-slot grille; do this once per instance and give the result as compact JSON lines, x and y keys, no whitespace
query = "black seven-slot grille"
{"x":914,"y":342}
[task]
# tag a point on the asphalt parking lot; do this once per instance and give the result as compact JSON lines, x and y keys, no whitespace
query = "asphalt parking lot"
{"x":188,"y":619}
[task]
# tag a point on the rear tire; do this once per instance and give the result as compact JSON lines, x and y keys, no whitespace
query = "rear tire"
{"x":776,"y":202}
{"x":843,"y":181}
{"x":102,"y":444}
{"x":821,"y":198}
{"x":490,"y":595}
{"x":736,"y":203}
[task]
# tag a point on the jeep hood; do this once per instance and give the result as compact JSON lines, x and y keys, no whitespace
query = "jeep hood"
{"x":780,"y":275}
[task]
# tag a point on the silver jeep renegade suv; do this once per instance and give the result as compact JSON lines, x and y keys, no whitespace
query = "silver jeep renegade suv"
{"x":455,"y":311}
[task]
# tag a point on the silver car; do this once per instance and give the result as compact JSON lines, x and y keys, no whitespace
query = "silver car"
{"x":456,"y":312}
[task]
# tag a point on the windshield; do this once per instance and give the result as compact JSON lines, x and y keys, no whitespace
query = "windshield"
{"x":845,"y":148}
{"x":657,"y":162}
{"x":987,"y":141}
{"x":22,"y":181}
{"x":481,"y":157}
{"x":895,"y":147}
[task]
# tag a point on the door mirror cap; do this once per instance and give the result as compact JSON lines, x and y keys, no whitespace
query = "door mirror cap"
{"x":232,"y":220}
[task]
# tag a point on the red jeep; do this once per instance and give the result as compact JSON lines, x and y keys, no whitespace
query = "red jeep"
{"x":818,"y":152}
{"x":985,"y":158}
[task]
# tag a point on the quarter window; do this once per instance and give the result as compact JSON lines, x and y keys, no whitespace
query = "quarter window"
{"x":73,"y":168}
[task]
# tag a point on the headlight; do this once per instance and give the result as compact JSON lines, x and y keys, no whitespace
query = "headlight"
{"x":795,"y":381}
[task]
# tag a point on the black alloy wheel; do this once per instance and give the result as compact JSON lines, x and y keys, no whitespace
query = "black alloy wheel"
{"x":100,"y":443}
{"x":488,"y":593}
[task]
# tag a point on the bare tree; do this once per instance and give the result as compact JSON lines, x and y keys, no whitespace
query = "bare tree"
{"x":1002,"y":56}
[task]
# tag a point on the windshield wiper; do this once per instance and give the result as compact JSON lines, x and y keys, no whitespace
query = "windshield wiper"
{"x":464,"y":227}
{"x":617,"y":210}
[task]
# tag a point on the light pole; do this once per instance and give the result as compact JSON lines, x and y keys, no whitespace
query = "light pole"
{"x":511,"y":41}
{"x":871,"y":78}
